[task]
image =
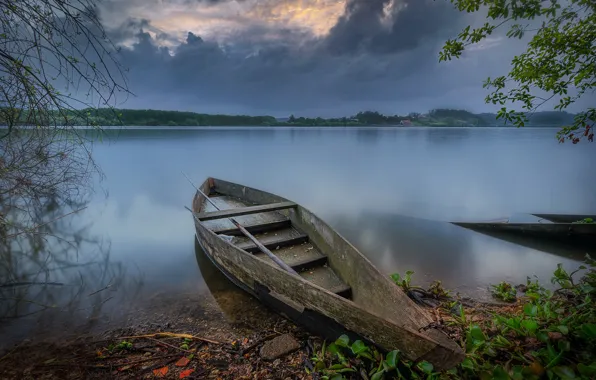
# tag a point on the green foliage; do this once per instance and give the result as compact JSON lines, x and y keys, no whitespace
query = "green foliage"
{"x":504,"y":291}
{"x":185,"y":343}
{"x":585,"y":221}
{"x":559,"y":59}
{"x":129,"y":117}
{"x":551,"y":335}
{"x":403,"y":282}
{"x":437,"y":290}
{"x":341,"y":359}
{"x":455,"y":118}
{"x":546,"y":334}
{"x":124,"y":345}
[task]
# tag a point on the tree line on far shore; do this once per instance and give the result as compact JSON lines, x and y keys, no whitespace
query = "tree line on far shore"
{"x":149,"y":117}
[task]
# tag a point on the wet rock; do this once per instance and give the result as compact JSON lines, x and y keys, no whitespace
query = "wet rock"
{"x":279,"y":346}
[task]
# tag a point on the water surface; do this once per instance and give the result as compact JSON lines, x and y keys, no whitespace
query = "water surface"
{"x":389,"y":191}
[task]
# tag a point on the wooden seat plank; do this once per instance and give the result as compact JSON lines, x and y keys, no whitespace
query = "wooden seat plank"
{"x":254,"y":228}
{"x":326,"y":278}
{"x":203,"y":216}
{"x":272,"y":240}
{"x":299,"y":257}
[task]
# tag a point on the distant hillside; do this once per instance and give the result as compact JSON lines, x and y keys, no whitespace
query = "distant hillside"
{"x":451,"y":118}
{"x":458,"y":118}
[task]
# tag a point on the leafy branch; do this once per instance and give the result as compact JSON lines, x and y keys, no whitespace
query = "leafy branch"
{"x":559,"y":59}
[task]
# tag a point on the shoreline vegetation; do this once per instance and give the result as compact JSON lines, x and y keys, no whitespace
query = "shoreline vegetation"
{"x":533,"y":333}
{"x":529,"y":333}
{"x":434,"y":118}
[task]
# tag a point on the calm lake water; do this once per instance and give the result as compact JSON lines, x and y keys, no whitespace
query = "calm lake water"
{"x":390,"y":191}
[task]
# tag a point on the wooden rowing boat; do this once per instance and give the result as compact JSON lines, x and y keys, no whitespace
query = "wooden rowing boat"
{"x":551,"y":226}
{"x":330,"y":287}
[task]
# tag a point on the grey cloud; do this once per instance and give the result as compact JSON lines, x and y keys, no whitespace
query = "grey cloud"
{"x":379,"y":55}
{"x":385,"y":26}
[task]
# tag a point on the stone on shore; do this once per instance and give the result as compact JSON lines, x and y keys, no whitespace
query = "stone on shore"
{"x":279,"y":346}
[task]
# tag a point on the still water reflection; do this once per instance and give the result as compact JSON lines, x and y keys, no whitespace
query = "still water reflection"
{"x":365,"y":182}
{"x":388,"y":191}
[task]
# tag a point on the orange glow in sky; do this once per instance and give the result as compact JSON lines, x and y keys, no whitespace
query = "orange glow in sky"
{"x":223,"y":19}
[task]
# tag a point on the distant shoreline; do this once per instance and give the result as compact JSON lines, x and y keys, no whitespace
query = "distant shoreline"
{"x":200,"y":127}
{"x":282,"y":127}
{"x":446,"y":118}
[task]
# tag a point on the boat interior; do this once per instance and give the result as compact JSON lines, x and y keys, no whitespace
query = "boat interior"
{"x":275,"y":230}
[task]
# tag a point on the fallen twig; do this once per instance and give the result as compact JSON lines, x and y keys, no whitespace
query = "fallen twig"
{"x":262,"y":340}
{"x":172,"y":335}
{"x":170,"y":345}
{"x":147,"y":360}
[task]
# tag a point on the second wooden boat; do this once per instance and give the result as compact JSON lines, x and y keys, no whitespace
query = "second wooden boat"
{"x":569,"y":227}
{"x":295,"y":263}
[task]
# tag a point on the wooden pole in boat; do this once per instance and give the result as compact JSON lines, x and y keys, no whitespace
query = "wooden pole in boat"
{"x":264,"y":249}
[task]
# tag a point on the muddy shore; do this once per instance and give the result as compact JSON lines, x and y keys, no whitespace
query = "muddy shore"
{"x":222,"y":336}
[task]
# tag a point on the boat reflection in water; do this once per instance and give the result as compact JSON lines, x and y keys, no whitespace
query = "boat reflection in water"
{"x":236,"y":305}
{"x":465,"y":260}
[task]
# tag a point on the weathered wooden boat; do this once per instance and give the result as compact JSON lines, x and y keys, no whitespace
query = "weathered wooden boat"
{"x":572,"y":228}
{"x":295,"y":263}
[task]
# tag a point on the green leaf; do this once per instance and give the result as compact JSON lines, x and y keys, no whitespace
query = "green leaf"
{"x":529,"y":325}
{"x":333,"y":349}
{"x":542,"y":336}
{"x":392,"y":358}
{"x":476,"y":333}
{"x":564,"y":372}
{"x":500,"y":374}
{"x":358,"y":347}
{"x":589,"y":330}
{"x":343,"y":341}
{"x":530,"y":310}
{"x":564,"y":345}
{"x":563,"y":329}
{"x":426,"y":367}
{"x":587,"y":370}
{"x":468,"y":363}
{"x":378,"y":375}
{"x":517,"y":372}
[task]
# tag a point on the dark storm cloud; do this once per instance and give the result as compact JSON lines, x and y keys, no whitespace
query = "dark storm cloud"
{"x":385,"y":26}
{"x":380,"y":55}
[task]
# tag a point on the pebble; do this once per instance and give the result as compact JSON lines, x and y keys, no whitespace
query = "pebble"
{"x":279,"y":346}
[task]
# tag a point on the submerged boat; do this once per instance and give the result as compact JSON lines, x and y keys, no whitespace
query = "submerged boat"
{"x":568,"y":227}
{"x":299,"y":266}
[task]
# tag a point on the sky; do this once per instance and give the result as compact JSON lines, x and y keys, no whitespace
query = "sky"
{"x":304,"y":57}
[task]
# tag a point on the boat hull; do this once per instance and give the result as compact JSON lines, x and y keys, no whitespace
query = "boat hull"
{"x":313,"y":321}
{"x":560,"y":231}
